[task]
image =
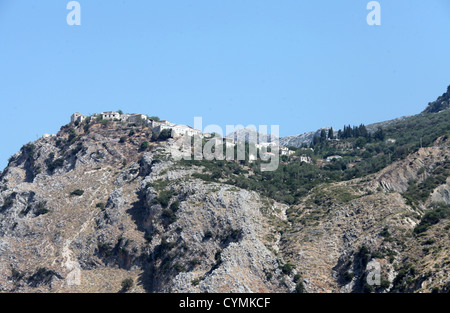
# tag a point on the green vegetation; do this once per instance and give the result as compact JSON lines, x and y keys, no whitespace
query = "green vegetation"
{"x":442,"y":103}
{"x":420,"y":192}
{"x":287,"y":268}
{"x":164,"y":198}
{"x":77,"y":149}
{"x":439,"y":212}
{"x":77,"y":192}
{"x":208,"y":235}
{"x":145,"y":146}
{"x":127,"y":284}
{"x":404,"y":278}
{"x":168,"y":216}
{"x":29,"y":150}
{"x":361,"y":154}
{"x":42,"y":276}
{"x":41,"y":209}
{"x":73,"y":137}
{"x":104,"y":249}
{"x":123,"y":139}
{"x":8,"y":202}
{"x":165,"y":134}
{"x":52,"y":164}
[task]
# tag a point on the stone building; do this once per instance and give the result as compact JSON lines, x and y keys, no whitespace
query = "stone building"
{"x":137,"y":118}
{"x":77,"y":117}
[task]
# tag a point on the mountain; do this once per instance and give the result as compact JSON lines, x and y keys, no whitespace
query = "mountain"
{"x":88,"y":208}
{"x":251,"y":135}
{"x":440,"y":104}
{"x":299,"y":140}
{"x":102,"y":206}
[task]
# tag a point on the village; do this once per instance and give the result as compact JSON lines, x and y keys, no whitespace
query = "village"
{"x":266,"y":149}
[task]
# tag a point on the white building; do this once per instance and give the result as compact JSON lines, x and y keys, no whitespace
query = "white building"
{"x":110,"y":115}
{"x":77,"y":117}
{"x":286,"y":151}
{"x":136,"y":118}
{"x":177,"y":130}
{"x":390,"y":140}
{"x":305,"y":158}
{"x":334,"y":157}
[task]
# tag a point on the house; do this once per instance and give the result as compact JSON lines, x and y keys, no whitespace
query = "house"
{"x":334,"y":157}
{"x":305,"y":159}
{"x":286,"y":151}
{"x":137,"y":118}
{"x":110,"y":115}
{"x":182,"y":130}
{"x":77,"y":117}
{"x":177,"y":130}
{"x":391,"y":140}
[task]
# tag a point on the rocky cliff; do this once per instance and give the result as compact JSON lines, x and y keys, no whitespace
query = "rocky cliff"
{"x":103,"y":202}
{"x":84,"y":210}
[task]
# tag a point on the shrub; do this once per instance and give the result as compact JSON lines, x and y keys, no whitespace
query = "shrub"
{"x":127,"y":284}
{"x":16,"y":275}
{"x":194,"y":262}
{"x":42,"y":276}
{"x":165,"y":134}
{"x":29,"y":149}
{"x":169,"y":216}
{"x":123,"y":139}
{"x":53,"y":165}
{"x":164,"y":198}
{"x":432,"y":217}
{"x":347,"y":277}
{"x":179,"y":268}
{"x":208,"y":235}
{"x":300,"y":288}
{"x":145,"y":145}
{"x":72,"y":137}
{"x":41,"y":209}
{"x":196,"y":281}
{"x":104,"y":249}
{"x":287,"y":268}
{"x":175,"y":206}
{"x":6,"y":204}
{"x":77,"y":192}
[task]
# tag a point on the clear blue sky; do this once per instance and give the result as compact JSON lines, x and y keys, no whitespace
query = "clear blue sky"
{"x":299,"y":64}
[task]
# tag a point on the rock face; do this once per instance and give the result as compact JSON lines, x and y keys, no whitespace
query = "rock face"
{"x":88,"y":208}
{"x":298,"y":140}
{"x":109,"y":211}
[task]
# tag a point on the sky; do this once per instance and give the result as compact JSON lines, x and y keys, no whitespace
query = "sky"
{"x":298,"y":64}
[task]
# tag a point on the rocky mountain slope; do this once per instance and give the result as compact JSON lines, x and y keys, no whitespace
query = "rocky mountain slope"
{"x":110,"y":211}
{"x":103,"y":207}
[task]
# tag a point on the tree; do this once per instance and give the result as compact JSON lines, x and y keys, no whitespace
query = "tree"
{"x":323,"y":135}
{"x":379,"y":134}
{"x":154,"y":118}
{"x":331,"y":133}
{"x":127,"y":284}
{"x":165,"y":134}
